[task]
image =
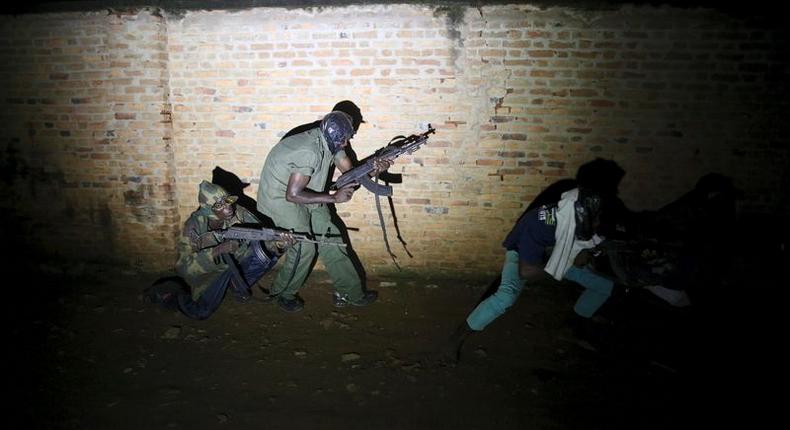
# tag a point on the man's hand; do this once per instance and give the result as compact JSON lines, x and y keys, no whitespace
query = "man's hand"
{"x":344,"y":194}
{"x":381,"y":165}
{"x":283,"y":244}
{"x":583,"y":258}
{"x":226,"y":247}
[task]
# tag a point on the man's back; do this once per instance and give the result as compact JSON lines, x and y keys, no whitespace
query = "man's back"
{"x":302,"y":153}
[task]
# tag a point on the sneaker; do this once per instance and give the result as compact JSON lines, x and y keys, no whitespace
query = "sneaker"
{"x":342,"y":300}
{"x":293,"y":305}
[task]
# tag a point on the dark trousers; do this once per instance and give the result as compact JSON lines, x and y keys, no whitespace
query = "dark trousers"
{"x":256,"y":264}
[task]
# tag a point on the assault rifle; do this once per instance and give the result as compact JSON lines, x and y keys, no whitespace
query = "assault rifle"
{"x":398,"y":146}
{"x":262,"y":233}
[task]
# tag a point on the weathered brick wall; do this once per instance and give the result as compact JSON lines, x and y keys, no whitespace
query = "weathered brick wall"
{"x":87,"y":136}
{"x":520,"y":98}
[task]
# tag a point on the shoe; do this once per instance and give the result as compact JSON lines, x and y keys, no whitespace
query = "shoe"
{"x":293,"y":305}
{"x":342,"y":300}
{"x":265,"y":297}
{"x":164,"y":294}
{"x":450,"y":352}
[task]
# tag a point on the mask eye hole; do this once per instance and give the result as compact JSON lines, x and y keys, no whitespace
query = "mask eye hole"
{"x":222,"y":203}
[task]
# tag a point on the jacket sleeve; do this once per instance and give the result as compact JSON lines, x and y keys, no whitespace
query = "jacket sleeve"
{"x":194,"y":256}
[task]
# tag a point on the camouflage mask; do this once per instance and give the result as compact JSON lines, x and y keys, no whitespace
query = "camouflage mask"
{"x":214,"y":197}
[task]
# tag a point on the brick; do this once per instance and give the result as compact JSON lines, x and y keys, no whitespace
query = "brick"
{"x":418,"y":201}
{"x":488,"y":162}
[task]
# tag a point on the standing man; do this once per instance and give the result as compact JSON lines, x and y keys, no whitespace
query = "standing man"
{"x":293,"y":193}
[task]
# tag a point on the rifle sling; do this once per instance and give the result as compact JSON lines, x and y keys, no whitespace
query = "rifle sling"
{"x":397,"y":227}
{"x":384,"y":228}
{"x":228,"y":259}
{"x":293,"y":271}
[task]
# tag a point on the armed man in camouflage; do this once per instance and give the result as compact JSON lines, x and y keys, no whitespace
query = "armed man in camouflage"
{"x":208,"y":264}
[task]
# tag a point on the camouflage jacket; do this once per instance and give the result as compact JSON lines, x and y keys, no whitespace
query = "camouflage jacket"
{"x":195,"y":261}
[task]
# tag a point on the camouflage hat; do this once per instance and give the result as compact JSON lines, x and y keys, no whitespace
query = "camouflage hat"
{"x":214,"y":196}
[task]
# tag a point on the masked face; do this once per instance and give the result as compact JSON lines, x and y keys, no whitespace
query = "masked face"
{"x":337,"y":129}
{"x":224,"y":208}
{"x":342,"y":144}
{"x":587,"y":210}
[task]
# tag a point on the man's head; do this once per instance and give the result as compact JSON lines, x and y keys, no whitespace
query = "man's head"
{"x":349,"y":107}
{"x":602,"y":175}
{"x":587,"y":210}
{"x":337,"y":128}
{"x":215,"y":198}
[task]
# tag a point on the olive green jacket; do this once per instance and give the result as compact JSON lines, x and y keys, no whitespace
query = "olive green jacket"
{"x":306,"y":153}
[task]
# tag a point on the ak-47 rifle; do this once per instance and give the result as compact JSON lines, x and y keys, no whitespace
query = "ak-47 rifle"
{"x":262,"y":233}
{"x":398,"y":146}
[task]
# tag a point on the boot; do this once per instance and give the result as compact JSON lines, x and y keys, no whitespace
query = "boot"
{"x":165,"y":293}
{"x":342,"y":300}
{"x":451,"y":350}
{"x":582,"y":328}
{"x":290,"y":305}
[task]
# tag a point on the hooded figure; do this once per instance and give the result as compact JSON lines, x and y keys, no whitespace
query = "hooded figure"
{"x":197,"y":260}
{"x":203,"y":257}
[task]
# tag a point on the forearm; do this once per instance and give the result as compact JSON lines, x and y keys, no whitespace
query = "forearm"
{"x":306,"y":196}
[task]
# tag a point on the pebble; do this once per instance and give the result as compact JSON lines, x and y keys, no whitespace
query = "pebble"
{"x":172,"y":333}
{"x":350,"y":356}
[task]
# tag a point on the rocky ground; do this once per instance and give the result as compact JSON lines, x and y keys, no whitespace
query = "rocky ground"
{"x":87,"y":353}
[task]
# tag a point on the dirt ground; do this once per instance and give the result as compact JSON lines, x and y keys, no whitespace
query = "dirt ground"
{"x":87,"y":353}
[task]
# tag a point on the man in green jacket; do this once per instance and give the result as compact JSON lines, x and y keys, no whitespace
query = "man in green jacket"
{"x":293,"y":193}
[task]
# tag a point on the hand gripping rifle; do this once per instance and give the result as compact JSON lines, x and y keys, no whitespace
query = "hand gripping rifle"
{"x":398,"y":146}
{"x":266,"y":234}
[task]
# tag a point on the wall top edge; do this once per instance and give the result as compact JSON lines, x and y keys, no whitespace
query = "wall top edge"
{"x":130,"y":6}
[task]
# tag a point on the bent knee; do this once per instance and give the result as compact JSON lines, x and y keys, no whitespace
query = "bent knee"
{"x":530,"y":272}
{"x":503,"y":299}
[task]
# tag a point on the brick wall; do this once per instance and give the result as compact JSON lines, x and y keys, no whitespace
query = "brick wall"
{"x":113,"y":120}
{"x":87,"y":135}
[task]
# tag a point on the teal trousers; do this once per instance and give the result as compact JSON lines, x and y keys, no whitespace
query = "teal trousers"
{"x":597,"y":290}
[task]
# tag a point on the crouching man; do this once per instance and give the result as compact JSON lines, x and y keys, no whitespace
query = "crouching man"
{"x":207,"y":265}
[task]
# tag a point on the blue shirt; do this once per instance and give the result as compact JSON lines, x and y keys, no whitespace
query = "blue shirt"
{"x":532,"y":233}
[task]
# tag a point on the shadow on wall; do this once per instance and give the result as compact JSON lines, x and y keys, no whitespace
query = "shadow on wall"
{"x":346,"y":106}
{"x":235,"y":186}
